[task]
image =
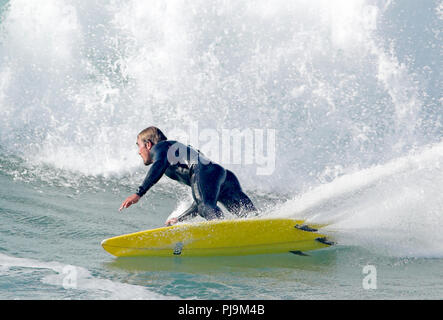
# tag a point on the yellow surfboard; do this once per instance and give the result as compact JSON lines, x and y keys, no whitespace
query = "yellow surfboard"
{"x":220,"y":237}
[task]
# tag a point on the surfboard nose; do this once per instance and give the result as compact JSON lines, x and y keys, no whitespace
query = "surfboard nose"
{"x":103,"y":243}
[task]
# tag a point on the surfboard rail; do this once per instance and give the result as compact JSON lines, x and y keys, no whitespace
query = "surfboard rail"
{"x":220,"y":237}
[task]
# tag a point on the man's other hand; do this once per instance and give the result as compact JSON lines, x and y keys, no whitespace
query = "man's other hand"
{"x":129,"y":201}
{"x":171,"y":221}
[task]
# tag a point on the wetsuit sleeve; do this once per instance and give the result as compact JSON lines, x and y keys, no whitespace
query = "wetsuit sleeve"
{"x":159,"y":165}
{"x":191,"y":212}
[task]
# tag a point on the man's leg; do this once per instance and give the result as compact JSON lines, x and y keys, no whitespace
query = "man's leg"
{"x":205,"y":183}
{"x":233,"y":198}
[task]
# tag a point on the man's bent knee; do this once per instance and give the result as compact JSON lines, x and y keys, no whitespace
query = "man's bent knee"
{"x":209,"y":212}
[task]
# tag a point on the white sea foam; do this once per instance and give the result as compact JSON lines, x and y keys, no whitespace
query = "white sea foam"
{"x":78,"y":278}
{"x":394,"y":208}
{"x":322,"y":74}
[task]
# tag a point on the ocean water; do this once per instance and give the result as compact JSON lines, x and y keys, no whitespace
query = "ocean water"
{"x":346,"y":95}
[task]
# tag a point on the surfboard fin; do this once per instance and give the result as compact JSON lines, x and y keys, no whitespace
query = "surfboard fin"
{"x":325,"y":241}
{"x":305,"y":227}
{"x":299,"y":253}
{"x":178,"y":248}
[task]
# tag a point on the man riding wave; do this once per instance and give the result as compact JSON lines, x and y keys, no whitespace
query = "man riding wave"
{"x":210,"y":183}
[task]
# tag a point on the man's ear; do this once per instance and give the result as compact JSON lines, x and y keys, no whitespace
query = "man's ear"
{"x":149,"y":145}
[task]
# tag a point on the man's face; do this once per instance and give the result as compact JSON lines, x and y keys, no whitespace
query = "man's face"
{"x":143,"y":151}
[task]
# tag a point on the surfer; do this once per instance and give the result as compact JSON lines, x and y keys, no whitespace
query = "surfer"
{"x":209,"y":181}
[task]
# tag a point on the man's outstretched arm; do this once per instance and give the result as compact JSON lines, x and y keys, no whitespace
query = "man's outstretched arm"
{"x":158,"y":168}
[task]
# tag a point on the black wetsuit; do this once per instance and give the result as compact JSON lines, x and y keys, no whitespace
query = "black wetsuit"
{"x":209,"y":181}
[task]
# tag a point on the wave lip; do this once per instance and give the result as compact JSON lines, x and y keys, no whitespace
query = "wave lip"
{"x":78,"y":82}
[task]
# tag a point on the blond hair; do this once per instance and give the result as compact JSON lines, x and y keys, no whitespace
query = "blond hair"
{"x":152,"y":134}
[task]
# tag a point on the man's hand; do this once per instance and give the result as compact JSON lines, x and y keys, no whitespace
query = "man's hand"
{"x":171,"y":221}
{"x":129,"y":201}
